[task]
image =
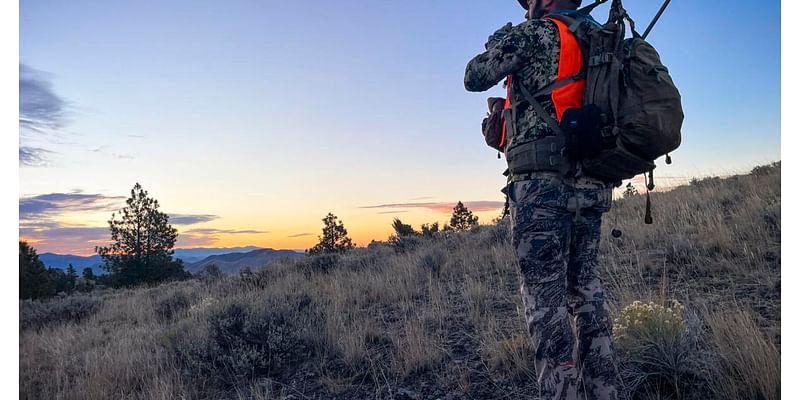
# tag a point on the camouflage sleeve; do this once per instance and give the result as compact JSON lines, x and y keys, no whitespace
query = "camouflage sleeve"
{"x":504,"y":56}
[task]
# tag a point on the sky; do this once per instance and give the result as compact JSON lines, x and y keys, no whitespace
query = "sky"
{"x":249,"y":121}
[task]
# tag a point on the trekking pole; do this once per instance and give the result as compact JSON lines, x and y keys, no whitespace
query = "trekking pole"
{"x":655,"y":19}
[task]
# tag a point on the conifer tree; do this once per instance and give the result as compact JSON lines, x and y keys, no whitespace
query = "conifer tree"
{"x":334,"y":237}
{"x":462,"y":218}
{"x":72,"y":276}
{"x":142,"y":242}
{"x":401,"y":229}
{"x":33,"y":282}
{"x":88,"y":274}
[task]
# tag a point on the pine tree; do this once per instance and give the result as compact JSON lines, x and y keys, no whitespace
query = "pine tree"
{"x":334,"y":237}
{"x":462,"y":218}
{"x":72,"y":276}
{"x":143,"y":239}
{"x":33,"y":282}
{"x":88,"y":274}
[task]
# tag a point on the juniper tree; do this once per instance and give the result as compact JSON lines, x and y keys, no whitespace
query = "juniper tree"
{"x":334,"y":237}
{"x":430,"y":230}
{"x":401,"y":229}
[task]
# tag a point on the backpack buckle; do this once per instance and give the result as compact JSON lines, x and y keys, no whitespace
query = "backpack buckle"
{"x":598,"y":59}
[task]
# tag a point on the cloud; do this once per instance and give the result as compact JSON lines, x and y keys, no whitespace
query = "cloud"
{"x":48,"y":205}
{"x":65,"y":239}
{"x":191,"y":219}
{"x":188,"y":241}
{"x":40,"y":108}
{"x":33,"y":156}
{"x":209,"y":236}
{"x":446,"y":207}
{"x":393,"y":212}
{"x":215,"y":231}
{"x":41,"y":223}
{"x":301,"y":235}
{"x":38,"y":222}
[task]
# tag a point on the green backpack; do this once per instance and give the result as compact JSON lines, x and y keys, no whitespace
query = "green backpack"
{"x":629,"y":90}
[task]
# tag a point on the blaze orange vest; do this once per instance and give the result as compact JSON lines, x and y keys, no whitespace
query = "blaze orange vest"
{"x":570,"y":62}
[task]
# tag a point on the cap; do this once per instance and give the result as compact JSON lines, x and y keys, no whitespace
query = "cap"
{"x":523,"y":3}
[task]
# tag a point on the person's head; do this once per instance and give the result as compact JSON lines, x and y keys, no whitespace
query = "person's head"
{"x":539,"y":8}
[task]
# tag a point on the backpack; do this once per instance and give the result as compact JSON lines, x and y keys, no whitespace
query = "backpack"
{"x":632,"y":110}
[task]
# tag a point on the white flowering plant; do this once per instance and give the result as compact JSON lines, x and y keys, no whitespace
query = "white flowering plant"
{"x":643,"y":323}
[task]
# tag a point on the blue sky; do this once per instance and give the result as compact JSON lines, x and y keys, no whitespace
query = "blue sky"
{"x":269,"y":114}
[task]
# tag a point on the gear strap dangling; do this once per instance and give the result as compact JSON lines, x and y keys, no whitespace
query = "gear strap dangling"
{"x":648,"y":214}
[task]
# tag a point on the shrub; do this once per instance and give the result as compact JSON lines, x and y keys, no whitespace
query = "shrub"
{"x":491,"y":235}
{"x":35,"y":314}
{"x":244,"y":342}
{"x":404,"y":244}
{"x":323,"y":262}
{"x":171,"y":304}
{"x":640,"y":321}
{"x":659,"y":353}
{"x":433,"y":260}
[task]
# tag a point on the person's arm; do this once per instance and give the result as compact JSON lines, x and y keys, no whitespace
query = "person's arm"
{"x":507,"y":51}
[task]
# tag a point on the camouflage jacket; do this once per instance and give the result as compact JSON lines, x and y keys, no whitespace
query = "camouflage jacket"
{"x":529,"y":51}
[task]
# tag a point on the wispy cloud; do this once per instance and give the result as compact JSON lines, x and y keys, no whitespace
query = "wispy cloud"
{"x":445,"y":207}
{"x":215,"y":231}
{"x":300,"y":235}
{"x":33,"y":156}
{"x":190,"y":219}
{"x":40,"y":225}
{"x":393,"y":212}
{"x":209,"y":236}
{"x":66,"y":239}
{"x":41,"y":110}
{"x":48,"y":205}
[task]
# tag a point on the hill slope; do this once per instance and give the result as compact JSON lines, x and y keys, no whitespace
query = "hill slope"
{"x":436,"y":318}
{"x":233,"y":263}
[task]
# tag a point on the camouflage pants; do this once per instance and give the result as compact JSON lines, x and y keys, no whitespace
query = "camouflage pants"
{"x":558,"y":258}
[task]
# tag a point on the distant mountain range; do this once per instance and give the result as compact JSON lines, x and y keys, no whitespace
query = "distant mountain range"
{"x":194,"y":255}
{"x":228,"y":259}
{"x":61,"y":261}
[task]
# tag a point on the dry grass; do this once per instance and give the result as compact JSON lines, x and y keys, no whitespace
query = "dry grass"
{"x":431,"y":318}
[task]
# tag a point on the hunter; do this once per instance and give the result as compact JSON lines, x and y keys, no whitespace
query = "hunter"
{"x":555,"y":209}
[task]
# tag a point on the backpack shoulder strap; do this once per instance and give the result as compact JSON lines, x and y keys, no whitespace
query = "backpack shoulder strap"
{"x":540,"y":111}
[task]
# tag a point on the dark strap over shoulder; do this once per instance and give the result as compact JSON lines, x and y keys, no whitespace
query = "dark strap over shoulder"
{"x":540,"y":111}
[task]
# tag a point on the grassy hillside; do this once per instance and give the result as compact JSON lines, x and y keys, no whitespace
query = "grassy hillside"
{"x":435,"y":318}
